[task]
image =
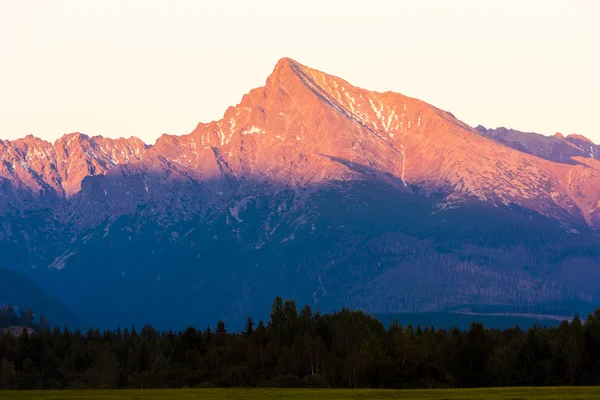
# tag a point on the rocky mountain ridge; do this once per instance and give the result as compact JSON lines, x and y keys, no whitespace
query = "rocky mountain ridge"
{"x":335,"y":194}
{"x":570,"y":149}
{"x":306,"y":127}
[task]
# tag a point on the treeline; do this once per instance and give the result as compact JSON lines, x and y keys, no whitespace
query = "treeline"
{"x":294,"y":348}
{"x":11,"y":317}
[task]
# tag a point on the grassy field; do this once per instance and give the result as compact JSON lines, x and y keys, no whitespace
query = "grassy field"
{"x":317,"y":394}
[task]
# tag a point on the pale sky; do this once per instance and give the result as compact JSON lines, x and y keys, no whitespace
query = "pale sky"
{"x":143,"y":68}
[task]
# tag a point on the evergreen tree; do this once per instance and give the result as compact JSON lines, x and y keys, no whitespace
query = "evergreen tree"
{"x":249,"y":327}
{"x":340,"y":349}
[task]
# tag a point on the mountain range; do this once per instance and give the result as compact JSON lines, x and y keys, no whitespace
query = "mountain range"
{"x":309,"y":188}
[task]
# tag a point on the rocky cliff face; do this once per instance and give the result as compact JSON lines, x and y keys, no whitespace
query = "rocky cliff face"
{"x":322,"y":178}
{"x":306,"y":127}
{"x":41,"y":168}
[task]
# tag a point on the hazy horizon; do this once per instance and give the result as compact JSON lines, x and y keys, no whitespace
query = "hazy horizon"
{"x":134,"y":68}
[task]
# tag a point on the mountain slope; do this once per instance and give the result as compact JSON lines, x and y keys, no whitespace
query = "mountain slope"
{"x":558,"y":148}
{"x":306,"y":127}
{"x":19,"y":291}
{"x":309,"y":187}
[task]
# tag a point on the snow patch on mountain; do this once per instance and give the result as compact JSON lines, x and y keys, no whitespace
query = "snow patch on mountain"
{"x":60,"y":262}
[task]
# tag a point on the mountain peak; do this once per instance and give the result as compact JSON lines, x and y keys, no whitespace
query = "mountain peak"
{"x":307,"y":176}
{"x":68,"y":138}
{"x":284,"y":73}
{"x":307,"y":127}
{"x":285,"y":61}
{"x":581,"y":138}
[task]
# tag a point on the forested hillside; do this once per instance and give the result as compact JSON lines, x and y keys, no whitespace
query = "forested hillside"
{"x":22,"y":293}
{"x":299,"y":348}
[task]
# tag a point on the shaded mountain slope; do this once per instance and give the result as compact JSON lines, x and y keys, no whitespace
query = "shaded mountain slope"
{"x":310,"y":188}
{"x":557,"y":148}
{"x":19,"y":291}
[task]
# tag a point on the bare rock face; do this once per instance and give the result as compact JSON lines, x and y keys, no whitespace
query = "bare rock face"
{"x":306,"y":127}
{"x":337,"y":191}
{"x":40,"y":166}
{"x":30,"y":163}
{"x":557,"y":148}
{"x":79,"y":156}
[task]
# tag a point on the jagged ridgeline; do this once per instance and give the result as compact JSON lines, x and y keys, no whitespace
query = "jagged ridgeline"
{"x":310,"y":188}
